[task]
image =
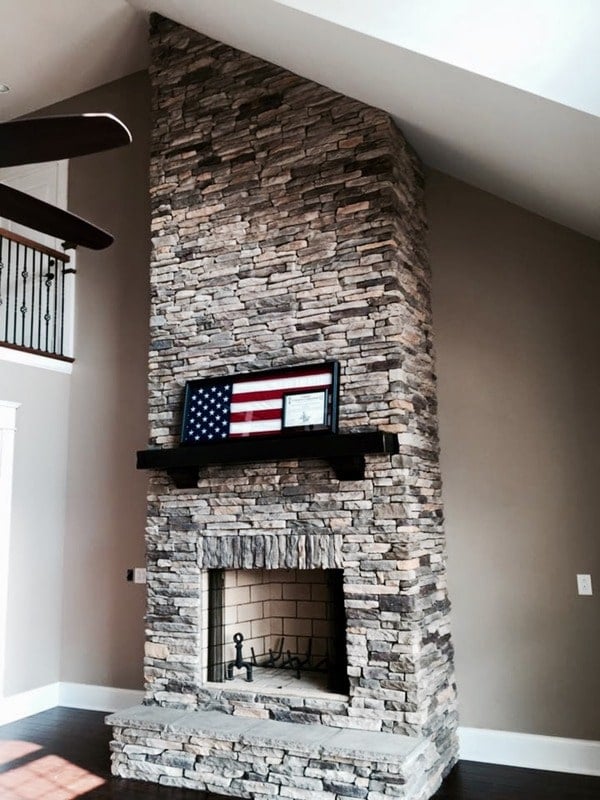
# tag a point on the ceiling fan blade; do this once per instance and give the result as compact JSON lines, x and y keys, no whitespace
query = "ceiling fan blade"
{"x":33,"y":213}
{"x":29,"y":141}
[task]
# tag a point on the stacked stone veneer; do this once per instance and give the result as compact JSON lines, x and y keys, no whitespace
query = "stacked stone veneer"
{"x":288,"y":227}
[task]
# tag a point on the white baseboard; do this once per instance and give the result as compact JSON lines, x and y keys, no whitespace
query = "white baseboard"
{"x":97,"y":698}
{"x":71,"y":695}
{"x":553,"y":753}
{"x":27,"y":703}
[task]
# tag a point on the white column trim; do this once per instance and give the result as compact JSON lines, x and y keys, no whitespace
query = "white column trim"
{"x":8,"y":423}
{"x":8,"y":414}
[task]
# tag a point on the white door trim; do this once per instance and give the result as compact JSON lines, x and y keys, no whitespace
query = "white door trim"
{"x":8,"y":419}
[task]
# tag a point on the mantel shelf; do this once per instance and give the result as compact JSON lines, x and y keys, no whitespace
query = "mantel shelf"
{"x":345,"y":452}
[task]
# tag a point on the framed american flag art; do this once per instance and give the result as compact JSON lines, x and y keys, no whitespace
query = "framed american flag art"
{"x":278,"y":402}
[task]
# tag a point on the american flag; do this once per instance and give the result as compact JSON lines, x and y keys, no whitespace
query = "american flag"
{"x":236,"y":407}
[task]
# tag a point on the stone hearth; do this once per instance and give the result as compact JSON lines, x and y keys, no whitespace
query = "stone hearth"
{"x":288,"y":228}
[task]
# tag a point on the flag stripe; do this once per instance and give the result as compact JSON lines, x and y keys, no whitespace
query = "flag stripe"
{"x":256,"y":405}
{"x":252,"y":434}
{"x":260,"y":426}
{"x":281,"y":384}
{"x":285,"y":375}
{"x":254,"y":397}
{"x":266,"y":413}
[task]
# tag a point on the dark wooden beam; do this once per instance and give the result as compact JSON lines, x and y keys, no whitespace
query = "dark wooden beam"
{"x":344,"y":451}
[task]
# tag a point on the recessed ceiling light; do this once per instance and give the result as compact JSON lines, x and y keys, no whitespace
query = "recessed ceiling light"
{"x":4,"y":88}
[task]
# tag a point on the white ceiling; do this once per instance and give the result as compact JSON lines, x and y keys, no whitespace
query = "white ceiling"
{"x":505,"y":96}
{"x":546,"y":47}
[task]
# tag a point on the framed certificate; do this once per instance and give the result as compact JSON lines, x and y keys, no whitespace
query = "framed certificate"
{"x":305,"y":410}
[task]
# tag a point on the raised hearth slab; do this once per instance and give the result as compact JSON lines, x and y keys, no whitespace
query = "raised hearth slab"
{"x":225,"y":754}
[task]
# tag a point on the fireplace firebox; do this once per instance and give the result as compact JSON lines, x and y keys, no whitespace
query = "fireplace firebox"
{"x":280,"y":630}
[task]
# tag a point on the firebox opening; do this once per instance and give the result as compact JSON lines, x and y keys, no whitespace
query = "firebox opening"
{"x":282,"y":630}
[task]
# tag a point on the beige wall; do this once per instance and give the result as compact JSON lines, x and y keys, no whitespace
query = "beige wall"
{"x":517,"y":328}
{"x":78,"y":502}
{"x":33,"y":617}
{"x":102,"y":626}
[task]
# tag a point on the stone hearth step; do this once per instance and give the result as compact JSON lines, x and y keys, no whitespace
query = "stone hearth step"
{"x":214,"y":751}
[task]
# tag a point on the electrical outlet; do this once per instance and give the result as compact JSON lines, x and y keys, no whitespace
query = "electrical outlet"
{"x":139,"y":574}
{"x":584,"y":584}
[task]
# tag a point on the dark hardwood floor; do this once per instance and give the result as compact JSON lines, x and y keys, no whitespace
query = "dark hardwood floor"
{"x":62,"y":754}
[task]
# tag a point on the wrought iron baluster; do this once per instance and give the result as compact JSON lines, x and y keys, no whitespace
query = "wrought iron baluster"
{"x":48,"y":316}
{"x":2,"y":248}
{"x":8,"y":271}
{"x":55,"y":320}
{"x":16,"y":298}
{"x":32,"y":321}
{"x":61,"y":349}
{"x":23,"y":308}
{"x":42,"y":259}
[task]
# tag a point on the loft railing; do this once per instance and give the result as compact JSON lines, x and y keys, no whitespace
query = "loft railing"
{"x":36,"y":294}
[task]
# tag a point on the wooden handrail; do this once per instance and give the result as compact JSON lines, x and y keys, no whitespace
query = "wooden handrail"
{"x":15,"y":237}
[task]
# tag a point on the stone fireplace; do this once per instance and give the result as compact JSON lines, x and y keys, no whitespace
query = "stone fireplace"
{"x":288,"y":228}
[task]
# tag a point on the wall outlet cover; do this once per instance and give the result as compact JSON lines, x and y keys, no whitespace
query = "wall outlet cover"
{"x":584,"y":584}
{"x":139,"y":575}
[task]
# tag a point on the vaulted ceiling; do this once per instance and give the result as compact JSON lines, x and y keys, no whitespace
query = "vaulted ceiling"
{"x":504,"y":96}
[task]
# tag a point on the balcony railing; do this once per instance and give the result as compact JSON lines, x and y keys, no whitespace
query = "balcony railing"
{"x":36,"y":294}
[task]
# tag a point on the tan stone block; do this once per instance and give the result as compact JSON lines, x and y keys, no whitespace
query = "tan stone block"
{"x":154,"y":650}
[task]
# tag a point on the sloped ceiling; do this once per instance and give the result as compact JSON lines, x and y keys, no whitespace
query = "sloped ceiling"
{"x":503,"y":96}
{"x":53,"y":49}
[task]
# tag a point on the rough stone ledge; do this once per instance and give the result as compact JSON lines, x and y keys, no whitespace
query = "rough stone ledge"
{"x":315,"y":740}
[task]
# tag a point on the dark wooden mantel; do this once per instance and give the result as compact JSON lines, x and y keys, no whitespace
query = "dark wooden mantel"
{"x":345,"y":452}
